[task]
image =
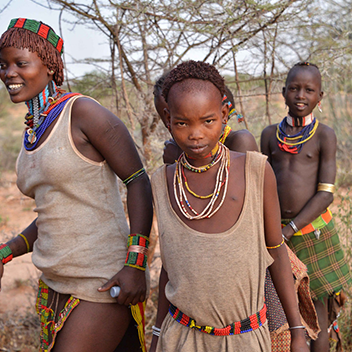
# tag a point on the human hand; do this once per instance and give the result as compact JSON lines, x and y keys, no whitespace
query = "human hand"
{"x":132,"y":283}
{"x":298,"y":341}
{"x":171,"y":151}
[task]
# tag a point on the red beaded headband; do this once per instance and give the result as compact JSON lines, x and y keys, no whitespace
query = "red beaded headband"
{"x":41,"y":29}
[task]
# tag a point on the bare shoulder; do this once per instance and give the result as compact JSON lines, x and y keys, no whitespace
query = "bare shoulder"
{"x":269,"y":130}
{"x":241,"y":141}
{"x":325,"y":131}
{"x":88,"y":107}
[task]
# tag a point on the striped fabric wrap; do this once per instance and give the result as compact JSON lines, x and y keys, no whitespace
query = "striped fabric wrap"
{"x":41,"y":29}
{"x":251,"y":323}
{"x":327,"y":268}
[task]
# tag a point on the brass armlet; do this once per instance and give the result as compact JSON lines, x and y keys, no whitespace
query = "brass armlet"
{"x":326,"y":187}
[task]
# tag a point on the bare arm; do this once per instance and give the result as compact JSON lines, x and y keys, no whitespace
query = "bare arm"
{"x":163,"y":306}
{"x":280,"y":270}
{"x":265,"y":141}
{"x":18,"y":245}
{"x":110,"y":137}
{"x":327,"y":172}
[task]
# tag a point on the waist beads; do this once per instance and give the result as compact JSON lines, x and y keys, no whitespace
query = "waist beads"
{"x":251,"y":323}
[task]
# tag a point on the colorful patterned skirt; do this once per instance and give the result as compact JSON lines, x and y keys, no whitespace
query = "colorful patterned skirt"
{"x":52,"y":322}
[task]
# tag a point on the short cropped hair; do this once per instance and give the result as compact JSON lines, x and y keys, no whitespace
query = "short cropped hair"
{"x":193,"y":69}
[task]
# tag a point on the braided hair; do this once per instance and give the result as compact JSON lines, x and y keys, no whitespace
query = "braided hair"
{"x":24,"y":39}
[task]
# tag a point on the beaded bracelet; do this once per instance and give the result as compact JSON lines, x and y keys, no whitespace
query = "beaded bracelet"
{"x":134,"y":176}
{"x":25,"y":239}
{"x":277,"y":246}
{"x":5,"y":253}
{"x":137,"y":251}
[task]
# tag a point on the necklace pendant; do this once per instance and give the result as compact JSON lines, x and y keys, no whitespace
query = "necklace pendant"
{"x":31,"y":136}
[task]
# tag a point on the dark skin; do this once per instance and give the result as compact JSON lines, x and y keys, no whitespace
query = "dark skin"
{"x":196,"y":122}
{"x":298,"y":175}
{"x":239,"y":141}
{"x":98,"y":139}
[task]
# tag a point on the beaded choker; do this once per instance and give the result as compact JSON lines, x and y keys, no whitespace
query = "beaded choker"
{"x":293,"y":144}
{"x":299,"y":121}
{"x":43,"y":109}
{"x":222,"y":179}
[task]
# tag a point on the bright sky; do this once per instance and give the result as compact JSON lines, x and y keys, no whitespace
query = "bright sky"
{"x":79,"y":43}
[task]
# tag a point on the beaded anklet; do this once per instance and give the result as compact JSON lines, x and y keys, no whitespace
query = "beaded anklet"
{"x":5,"y":253}
{"x":134,"y":176}
{"x":137,"y":253}
{"x":277,"y":246}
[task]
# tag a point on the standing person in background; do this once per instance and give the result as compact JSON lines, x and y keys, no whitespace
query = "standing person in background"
{"x":73,"y":151}
{"x":239,"y":141}
{"x":302,"y":153}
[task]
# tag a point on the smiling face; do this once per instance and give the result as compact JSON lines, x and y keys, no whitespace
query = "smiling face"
{"x":23,"y":73}
{"x":303,"y":90}
{"x":196,"y":116}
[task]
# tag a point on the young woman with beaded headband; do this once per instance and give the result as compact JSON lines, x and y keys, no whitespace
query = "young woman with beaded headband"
{"x":73,"y":151}
{"x":219,"y":229}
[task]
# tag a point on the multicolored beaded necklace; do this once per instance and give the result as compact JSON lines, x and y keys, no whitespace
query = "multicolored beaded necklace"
{"x":222,"y":178}
{"x":43,"y":109}
{"x":293,"y":144}
{"x":225,"y":134}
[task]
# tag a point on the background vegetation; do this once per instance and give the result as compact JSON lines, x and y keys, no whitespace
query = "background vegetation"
{"x":253,"y":43}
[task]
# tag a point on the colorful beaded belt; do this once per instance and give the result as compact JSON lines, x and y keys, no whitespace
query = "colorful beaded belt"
{"x":239,"y":327}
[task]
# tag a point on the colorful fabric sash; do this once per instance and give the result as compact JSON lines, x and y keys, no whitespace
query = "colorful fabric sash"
{"x":251,"y":323}
{"x":317,"y":224}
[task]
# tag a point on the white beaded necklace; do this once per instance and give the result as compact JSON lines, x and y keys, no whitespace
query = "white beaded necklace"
{"x":222,"y":178}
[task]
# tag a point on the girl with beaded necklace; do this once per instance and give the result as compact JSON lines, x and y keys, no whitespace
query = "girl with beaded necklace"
{"x":219,"y":229}
{"x":73,"y":151}
{"x":239,"y":141}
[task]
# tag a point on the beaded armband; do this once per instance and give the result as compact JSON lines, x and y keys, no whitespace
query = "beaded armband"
{"x":134,"y":176}
{"x":326,"y":187}
{"x":5,"y":253}
{"x":137,"y":253}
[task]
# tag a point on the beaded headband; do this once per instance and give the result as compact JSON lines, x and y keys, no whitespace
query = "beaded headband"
{"x":41,"y":29}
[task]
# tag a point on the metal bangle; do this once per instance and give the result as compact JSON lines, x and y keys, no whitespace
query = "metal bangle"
{"x":326,"y":187}
{"x":156,"y":331}
{"x":297,"y":327}
{"x":285,"y":238}
{"x":293,"y":225}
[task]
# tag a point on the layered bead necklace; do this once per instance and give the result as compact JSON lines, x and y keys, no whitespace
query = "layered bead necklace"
{"x":222,"y":177}
{"x":43,"y":109}
{"x":293,"y":143}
